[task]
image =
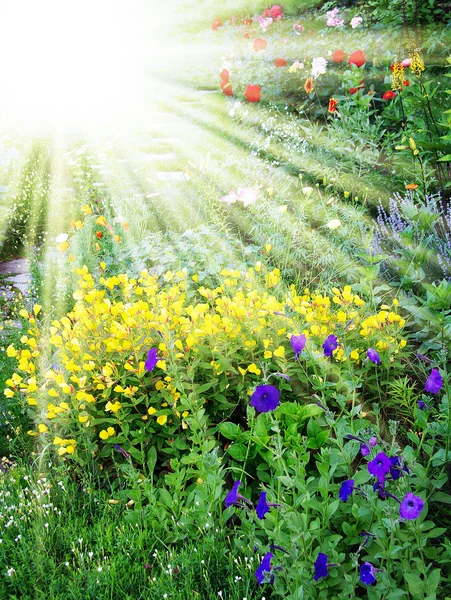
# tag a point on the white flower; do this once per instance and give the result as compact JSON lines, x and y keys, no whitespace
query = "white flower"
{"x":247,"y":196}
{"x":230,"y":198}
{"x":319,"y":65}
{"x":334,"y":224}
{"x":355,"y":22}
{"x":61,"y":238}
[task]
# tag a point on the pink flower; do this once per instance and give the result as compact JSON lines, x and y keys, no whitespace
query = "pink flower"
{"x":298,"y":28}
{"x":264,"y":22}
{"x":406,"y":62}
{"x":355,"y":22}
{"x":247,"y":196}
{"x":276,"y":12}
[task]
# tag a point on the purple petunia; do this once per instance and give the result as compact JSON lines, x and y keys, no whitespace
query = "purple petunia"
{"x":265,"y":398}
{"x":367,"y":573}
{"x":346,"y":489}
{"x":298,"y":344}
{"x":396,"y":470}
{"x":434,"y":382}
{"x":410,"y":507}
{"x":232,"y":496}
{"x":330,"y":344}
{"x":373,"y":356}
{"x":364,"y":449}
{"x":265,"y":569}
{"x":380,"y":466}
{"x":152,"y":359}
{"x":121,"y":450}
{"x":320,"y":565}
{"x":263,"y":506}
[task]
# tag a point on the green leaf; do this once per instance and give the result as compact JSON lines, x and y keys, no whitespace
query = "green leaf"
{"x":229,"y":430}
{"x":441,"y":497}
{"x":237,"y":451}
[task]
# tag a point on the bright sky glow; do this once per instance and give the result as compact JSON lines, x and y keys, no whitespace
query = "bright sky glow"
{"x":71,"y":63}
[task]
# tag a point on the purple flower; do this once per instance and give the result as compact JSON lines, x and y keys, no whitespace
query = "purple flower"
{"x":373,"y":356}
{"x":320,"y":567}
{"x":434,"y":382}
{"x":410,"y":507}
{"x":298,"y":344}
{"x":232,"y":496}
{"x":265,"y":569}
{"x":152,"y":360}
{"x":330,"y":344}
{"x":373,"y":441}
{"x":121,"y":450}
{"x":396,"y":470}
{"x":380,"y":466}
{"x":265,"y":398}
{"x":263,"y":506}
{"x":364,"y":449}
{"x":367,"y":573}
{"x":346,"y":489}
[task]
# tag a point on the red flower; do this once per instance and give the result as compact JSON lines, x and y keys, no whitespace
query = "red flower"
{"x":389,"y":95}
{"x":252,"y":93}
{"x":338,"y":56}
{"x":308,"y":87}
{"x":216,"y":23}
{"x":99,"y":235}
{"x":259,"y":44}
{"x":280,"y":62}
{"x":332,"y":105}
{"x":406,"y":83}
{"x":266,"y":13}
{"x":353,"y":91}
{"x":224,"y":75}
{"x":276,"y":12}
{"x":227,"y":89}
{"x":357,"y":58}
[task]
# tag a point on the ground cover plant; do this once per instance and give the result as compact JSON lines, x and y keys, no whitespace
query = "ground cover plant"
{"x":230,"y":376}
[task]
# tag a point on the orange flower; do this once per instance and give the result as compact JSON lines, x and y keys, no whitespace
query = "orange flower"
{"x":357,"y":58}
{"x":280,"y":62}
{"x":227,"y":89}
{"x":99,"y":235}
{"x":308,"y":87}
{"x":411,"y":186}
{"x":252,"y":93}
{"x":338,"y":56}
{"x":216,"y":23}
{"x":259,"y":44}
{"x":332,"y":105}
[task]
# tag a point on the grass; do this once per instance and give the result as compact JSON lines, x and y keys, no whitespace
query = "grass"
{"x":62,"y":539}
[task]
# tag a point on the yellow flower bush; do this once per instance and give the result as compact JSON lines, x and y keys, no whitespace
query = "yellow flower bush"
{"x":85,"y":378}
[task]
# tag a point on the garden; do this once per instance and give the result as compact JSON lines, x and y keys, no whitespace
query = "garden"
{"x":225,"y":301}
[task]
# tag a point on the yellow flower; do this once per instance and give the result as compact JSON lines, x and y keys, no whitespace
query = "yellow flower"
{"x":280,"y":352}
{"x":111,"y":431}
{"x":8,"y":393}
{"x":101,"y":221}
{"x":42,"y":428}
{"x":252,"y":368}
{"x":83,"y":418}
{"x":103,"y":435}
{"x":113,"y":406}
{"x":86,"y":209}
{"x":162,"y":419}
{"x":152,"y":410}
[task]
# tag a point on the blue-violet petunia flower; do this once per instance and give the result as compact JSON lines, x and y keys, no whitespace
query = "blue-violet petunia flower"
{"x":434,"y":382}
{"x":232,"y":496}
{"x":411,"y":506}
{"x":265,"y":398}
{"x":373,"y":356}
{"x":265,"y":569}
{"x":380,"y":466}
{"x":364,"y":449}
{"x":320,"y":565}
{"x":346,"y":489}
{"x":330,"y":344}
{"x":298,"y":343}
{"x":263,"y":506}
{"x":367,"y":573}
{"x":152,"y":359}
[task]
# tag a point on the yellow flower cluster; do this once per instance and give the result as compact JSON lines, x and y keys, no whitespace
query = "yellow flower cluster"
{"x":398,"y":76}
{"x":101,"y":387}
{"x":416,"y":63}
